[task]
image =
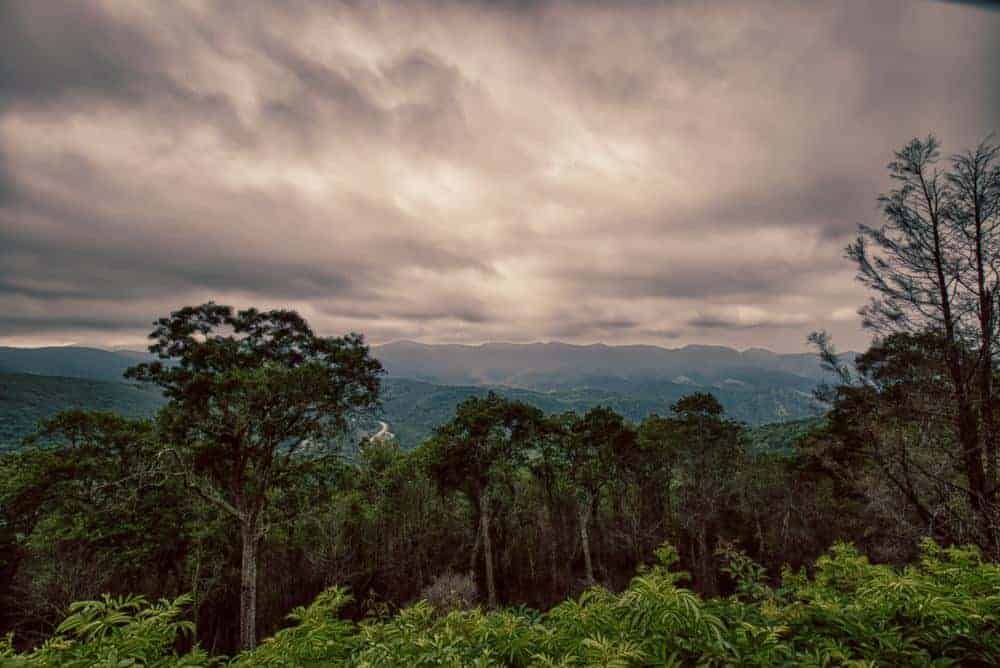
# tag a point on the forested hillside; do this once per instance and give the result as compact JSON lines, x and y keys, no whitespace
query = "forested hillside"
{"x":412,"y":409}
{"x":27,"y":399}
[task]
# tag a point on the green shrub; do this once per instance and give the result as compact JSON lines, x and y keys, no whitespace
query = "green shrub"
{"x":115,"y":632}
{"x":943,"y":610}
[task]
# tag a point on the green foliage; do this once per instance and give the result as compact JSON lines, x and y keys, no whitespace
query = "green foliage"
{"x":594,"y":445}
{"x":88,"y":507}
{"x":116,"y":632}
{"x":484,"y":441}
{"x":942,"y":610}
{"x":414,"y":408}
{"x":102,"y":508}
{"x":255,"y":399}
{"x":317,"y":638}
{"x":780,"y":437}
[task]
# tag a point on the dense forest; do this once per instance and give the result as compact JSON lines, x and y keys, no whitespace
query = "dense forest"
{"x":412,"y":408}
{"x":513,"y":536}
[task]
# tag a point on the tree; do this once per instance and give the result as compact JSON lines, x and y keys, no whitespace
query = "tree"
{"x":476,"y":453}
{"x":893,"y":440}
{"x":709,"y":451}
{"x":252,"y":397}
{"x":974,"y":213}
{"x":933,"y":267}
{"x":593,"y":447}
{"x":548,"y":465}
{"x":650,"y":465}
{"x":88,"y":509}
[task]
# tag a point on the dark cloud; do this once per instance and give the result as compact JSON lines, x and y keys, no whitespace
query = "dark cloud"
{"x":589,"y":328}
{"x":466,"y":171}
{"x":713,"y":322}
{"x":29,"y":326}
{"x":75,"y":49}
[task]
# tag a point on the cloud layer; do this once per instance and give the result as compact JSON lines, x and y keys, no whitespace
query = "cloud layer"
{"x":663,"y":172}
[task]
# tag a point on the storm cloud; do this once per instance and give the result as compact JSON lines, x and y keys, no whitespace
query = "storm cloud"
{"x":655,"y":172}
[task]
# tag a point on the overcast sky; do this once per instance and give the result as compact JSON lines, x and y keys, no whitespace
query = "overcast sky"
{"x":664,"y":173}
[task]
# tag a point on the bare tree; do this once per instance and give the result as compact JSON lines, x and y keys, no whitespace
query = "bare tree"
{"x":933,"y":267}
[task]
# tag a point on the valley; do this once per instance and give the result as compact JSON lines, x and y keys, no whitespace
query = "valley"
{"x":424,"y":383}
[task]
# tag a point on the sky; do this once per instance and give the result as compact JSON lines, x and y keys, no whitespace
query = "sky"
{"x":665,"y":173}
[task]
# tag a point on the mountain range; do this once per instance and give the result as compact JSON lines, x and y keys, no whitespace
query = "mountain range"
{"x":425,"y":381}
{"x":555,"y":366}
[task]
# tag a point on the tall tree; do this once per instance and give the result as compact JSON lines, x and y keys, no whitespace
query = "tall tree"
{"x":974,"y":213}
{"x":593,"y":446}
{"x":710,"y":450}
{"x":650,"y":464}
{"x":476,"y":453}
{"x":932,"y":267}
{"x":252,"y":396}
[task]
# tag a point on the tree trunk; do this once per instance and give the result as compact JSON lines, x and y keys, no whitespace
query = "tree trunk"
{"x":985,"y":296}
{"x":250,"y":535}
{"x":968,"y":427}
{"x":986,"y":409}
{"x":968,"y":436}
{"x":707,"y":567}
{"x":484,"y":527}
{"x":474,"y":555}
{"x":553,"y":553}
{"x":584,"y":518}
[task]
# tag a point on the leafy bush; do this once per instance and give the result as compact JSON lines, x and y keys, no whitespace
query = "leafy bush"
{"x":942,"y":610}
{"x":117,"y":632}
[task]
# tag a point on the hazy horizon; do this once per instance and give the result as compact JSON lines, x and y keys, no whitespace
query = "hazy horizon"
{"x":139,"y":347}
{"x":465,"y":172}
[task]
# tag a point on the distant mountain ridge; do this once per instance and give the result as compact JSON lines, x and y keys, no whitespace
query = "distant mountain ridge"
{"x":426,"y":381}
{"x":541,"y":366}
{"x":550,"y":366}
{"x":70,"y":362}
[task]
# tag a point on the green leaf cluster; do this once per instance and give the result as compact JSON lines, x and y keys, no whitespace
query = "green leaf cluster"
{"x":942,"y":610}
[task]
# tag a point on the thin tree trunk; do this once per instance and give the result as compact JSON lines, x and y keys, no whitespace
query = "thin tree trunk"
{"x":985,"y":356}
{"x":968,"y":428}
{"x":584,"y":519}
{"x":986,"y":408}
{"x":250,"y":536}
{"x":484,"y":527}
{"x":707,"y":567}
{"x":553,"y":552}
{"x":474,"y":556}
{"x":986,"y":317}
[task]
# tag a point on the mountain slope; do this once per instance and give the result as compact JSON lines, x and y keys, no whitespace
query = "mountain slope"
{"x":25,"y":399}
{"x":413,"y":408}
{"x":427,"y":381}
{"x":69,"y":362}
